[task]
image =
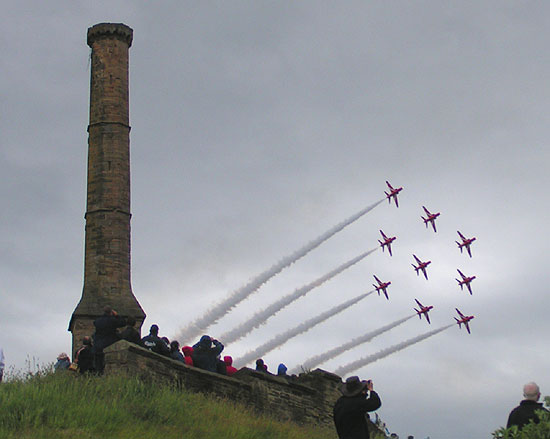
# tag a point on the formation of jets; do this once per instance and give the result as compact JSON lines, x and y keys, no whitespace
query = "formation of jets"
{"x":387,"y":242}
{"x":423,"y":310}
{"x":430,"y":218}
{"x":382,"y":286}
{"x":421,"y":266}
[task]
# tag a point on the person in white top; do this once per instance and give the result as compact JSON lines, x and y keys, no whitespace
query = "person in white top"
{"x":1,"y":364}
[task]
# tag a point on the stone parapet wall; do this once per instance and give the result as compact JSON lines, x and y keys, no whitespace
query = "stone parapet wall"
{"x":308,"y":399}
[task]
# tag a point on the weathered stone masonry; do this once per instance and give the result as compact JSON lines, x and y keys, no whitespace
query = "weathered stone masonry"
{"x":107,"y":242}
{"x":307,"y":400}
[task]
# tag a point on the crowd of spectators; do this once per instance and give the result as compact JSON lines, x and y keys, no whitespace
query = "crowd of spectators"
{"x":110,"y":328}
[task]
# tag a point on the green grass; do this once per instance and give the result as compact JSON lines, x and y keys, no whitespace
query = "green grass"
{"x":64,"y":405}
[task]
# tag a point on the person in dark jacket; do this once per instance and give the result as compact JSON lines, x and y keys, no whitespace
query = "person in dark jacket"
{"x":350,"y":411}
{"x":106,"y":328}
{"x":175,"y":353}
{"x":130,"y":333}
{"x":205,"y":353}
{"x":260,"y":365}
{"x":154,"y":343}
{"x":525,"y":411}
{"x":105,"y":334}
{"x":84,"y":357}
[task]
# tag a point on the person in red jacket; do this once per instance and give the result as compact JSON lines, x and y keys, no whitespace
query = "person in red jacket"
{"x":187,"y":355}
{"x":228,"y":360}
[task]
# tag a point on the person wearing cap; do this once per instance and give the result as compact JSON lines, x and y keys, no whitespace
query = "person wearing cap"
{"x":350,"y":411}
{"x":526,"y":410}
{"x":154,"y":343}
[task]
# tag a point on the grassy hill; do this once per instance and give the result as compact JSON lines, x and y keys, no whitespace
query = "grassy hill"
{"x":65,"y":405}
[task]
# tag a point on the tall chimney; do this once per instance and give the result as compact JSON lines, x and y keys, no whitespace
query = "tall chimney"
{"x":107,"y":242}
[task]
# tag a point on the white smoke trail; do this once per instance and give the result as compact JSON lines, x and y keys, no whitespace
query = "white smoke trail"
{"x":343,"y":370}
{"x":198,"y":326}
{"x":310,"y":363}
{"x":260,"y":317}
{"x":282,"y":338}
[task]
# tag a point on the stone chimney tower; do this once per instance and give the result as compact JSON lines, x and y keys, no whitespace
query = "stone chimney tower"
{"x":107,"y":242}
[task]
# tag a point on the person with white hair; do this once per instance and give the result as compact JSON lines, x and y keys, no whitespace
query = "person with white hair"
{"x":526,"y":410}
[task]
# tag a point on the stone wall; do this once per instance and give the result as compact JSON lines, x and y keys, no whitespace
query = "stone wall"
{"x":308,"y":399}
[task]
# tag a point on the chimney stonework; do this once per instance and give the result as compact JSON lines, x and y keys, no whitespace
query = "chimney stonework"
{"x":107,"y":242}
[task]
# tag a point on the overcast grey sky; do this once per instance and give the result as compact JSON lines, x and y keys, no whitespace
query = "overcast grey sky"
{"x":256,"y":127}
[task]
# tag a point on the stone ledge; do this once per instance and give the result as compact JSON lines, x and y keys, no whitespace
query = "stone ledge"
{"x":110,"y":30}
{"x":307,"y":399}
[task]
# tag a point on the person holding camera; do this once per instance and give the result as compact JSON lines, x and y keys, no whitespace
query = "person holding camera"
{"x":205,"y":353}
{"x":350,"y":411}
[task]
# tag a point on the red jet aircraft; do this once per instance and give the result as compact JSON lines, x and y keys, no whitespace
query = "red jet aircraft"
{"x":387,"y":242}
{"x":465,"y":281}
{"x":381,"y":287}
{"x":430,"y":218}
{"x":393,"y":193}
{"x":465,"y":243}
{"x":423,"y":310}
{"x":421,"y":266}
{"x":463,"y":319}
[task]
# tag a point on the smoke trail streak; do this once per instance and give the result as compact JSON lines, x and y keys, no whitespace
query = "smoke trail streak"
{"x":199,"y":325}
{"x":310,"y":363}
{"x":343,"y":370}
{"x":260,"y":317}
{"x":282,"y":338}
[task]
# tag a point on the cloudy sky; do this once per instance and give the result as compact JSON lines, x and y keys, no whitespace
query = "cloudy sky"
{"x":258,"y":126}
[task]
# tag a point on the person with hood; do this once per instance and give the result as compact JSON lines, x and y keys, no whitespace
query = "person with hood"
{"x":154,"y":343}
{"x":188,"y":355}
{"x":526,"y":410}
{"x":350,"y":411}
{"x":63,"y":362}
{"x":230,"y":369}
{"x":281,"y":370}
{"x":260,"y":365}
{"x":205,"y":353}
